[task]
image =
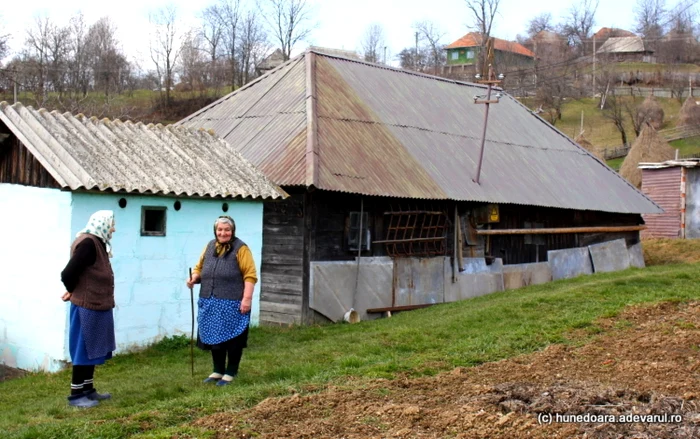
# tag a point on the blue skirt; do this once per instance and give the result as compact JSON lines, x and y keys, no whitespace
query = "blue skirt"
{"x":220,"y":320}
{"x":91,"y":338}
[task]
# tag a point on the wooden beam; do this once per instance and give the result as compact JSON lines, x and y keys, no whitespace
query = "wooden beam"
{"x":554,"y":231}
{"x":393,"y":241}
{"x":399,"y":308}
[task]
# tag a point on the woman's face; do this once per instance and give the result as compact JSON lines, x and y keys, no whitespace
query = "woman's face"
{"x":223,"y":232}
{"x":112,"y":229}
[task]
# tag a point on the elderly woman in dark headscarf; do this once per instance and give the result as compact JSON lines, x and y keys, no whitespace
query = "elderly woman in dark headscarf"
{"x":89,"y":283}
{"x":227,"y":274}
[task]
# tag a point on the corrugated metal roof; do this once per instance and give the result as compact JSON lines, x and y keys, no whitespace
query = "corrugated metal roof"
{"x":100,"y":154}
{"x":622,"y":45}
{"x":382,"y":131}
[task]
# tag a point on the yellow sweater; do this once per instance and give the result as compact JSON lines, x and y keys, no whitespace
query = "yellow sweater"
{"x":245,"y":262}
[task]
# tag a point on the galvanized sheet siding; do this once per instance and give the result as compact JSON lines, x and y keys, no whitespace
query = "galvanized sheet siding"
{"x":81,"y":152}
{"x":663,"y":186}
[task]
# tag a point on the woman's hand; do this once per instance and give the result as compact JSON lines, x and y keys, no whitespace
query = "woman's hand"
{"x":195,"y":279}
{"x":66,"y":296}
{"x":245,"y":305}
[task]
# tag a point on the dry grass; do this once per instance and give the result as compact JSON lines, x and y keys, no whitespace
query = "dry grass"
{"x":662,"y":251}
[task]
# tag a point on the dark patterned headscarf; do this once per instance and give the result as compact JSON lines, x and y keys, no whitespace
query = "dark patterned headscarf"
{"x":222,"y":248}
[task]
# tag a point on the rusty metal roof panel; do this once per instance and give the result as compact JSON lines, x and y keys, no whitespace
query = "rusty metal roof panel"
{"x":101,"y":154}
{"x":377,"y":130}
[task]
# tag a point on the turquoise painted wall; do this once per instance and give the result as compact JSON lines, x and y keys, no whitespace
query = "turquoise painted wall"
{"x":152,"y":300}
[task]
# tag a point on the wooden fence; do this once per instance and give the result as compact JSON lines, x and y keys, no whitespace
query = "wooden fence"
{"x":669,"y":135}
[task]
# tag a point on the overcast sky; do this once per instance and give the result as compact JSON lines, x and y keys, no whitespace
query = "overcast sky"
{"x":341,"y":23}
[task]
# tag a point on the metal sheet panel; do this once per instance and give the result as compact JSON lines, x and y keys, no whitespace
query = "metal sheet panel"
{"x":419,"y":281}
{"x":692,"y":203}
{"x":81,"y":152}
{"x":610,"y":256}
{"x":569,"y":263}
{"x":663,"y":185}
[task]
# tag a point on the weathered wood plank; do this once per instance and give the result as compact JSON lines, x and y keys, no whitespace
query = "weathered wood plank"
{"x":290,"y":299}
{"x":283,"y":259}
{"x":283,"y":279}
{"x":268,"y":287}
{"x":280,"y":308}
{"x":275,"y":319}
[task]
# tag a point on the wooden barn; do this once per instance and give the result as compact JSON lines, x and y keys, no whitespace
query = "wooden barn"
{"x":385,"y":209}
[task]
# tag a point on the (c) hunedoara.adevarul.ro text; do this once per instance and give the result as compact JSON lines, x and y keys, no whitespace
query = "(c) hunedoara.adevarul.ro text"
{"x":560,"y":418}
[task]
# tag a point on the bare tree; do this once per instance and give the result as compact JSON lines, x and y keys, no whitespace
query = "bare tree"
{"x":483,"y":14}
{"x":79,"y":79}
{"x":539,"y":23}
{"x":291,"y":22}
{"x":578,"y":24}
{"x":192,"y":64}
{"x":373,"y":42}
{"x":650,"y":16}
{"x":165,"y":46}
{"x":37,"y":50}
{"x":613,"y":108}
{"x":4,"y":38}
{"x":410,"y":60}
{"x":106,"y":60}
{"x":211,"y":31}
{"x":230,"y":20}
{"x":254,"y":45}
{"x":431,"y":35}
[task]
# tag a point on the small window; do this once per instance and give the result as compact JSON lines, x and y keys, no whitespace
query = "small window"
{"x":455,"y":55}
{"x":354,"y":231}
{"x":470,"y":54}
{"x":153,"y":221}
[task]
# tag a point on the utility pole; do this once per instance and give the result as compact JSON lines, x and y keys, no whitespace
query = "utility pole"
{"x":593,"y":64}
{"x":384,"y":54}
{"x":490,"y":81}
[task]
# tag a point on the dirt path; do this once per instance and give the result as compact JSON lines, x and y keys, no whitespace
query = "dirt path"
{"x":644,"y":362}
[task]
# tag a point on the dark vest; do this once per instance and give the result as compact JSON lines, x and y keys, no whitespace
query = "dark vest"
{"x":95,"y":288}
{"x":222,"y":277}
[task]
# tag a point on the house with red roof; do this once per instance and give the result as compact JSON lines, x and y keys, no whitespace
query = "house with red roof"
{"x":462,"y":55}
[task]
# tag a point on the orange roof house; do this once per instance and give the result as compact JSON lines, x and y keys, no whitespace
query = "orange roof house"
{"x":464,"y":53}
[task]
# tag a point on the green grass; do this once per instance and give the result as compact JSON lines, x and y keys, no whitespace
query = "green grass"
{"x":687,"y":146}
{"x":155,"y":397}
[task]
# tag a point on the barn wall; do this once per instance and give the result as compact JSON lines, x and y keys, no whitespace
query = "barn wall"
{"x":281,"y":296}
{"x":18,"y":165}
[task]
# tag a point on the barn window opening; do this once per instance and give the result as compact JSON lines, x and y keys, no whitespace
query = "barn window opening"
{"x":153,"y":221}
{"x":122,"y":202}
{"x":354,"y":232}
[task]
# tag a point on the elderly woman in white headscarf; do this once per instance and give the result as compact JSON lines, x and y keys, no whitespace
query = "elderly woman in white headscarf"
{"x":89,"y":283}
{"x":227,"y":273}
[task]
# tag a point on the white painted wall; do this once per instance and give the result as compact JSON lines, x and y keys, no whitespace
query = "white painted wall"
{"x":152,"y":300}
{"x":34,"y":247}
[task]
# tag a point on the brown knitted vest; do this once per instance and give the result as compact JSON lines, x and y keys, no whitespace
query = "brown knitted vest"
{"x":95,"y":289}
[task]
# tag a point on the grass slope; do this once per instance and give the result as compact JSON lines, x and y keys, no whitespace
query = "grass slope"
{"x":155,"y":397}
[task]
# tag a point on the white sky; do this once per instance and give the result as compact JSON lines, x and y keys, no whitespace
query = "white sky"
{"x":341,"y":23}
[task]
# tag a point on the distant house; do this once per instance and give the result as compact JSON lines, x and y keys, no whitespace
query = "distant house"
{"x":165,"y":184}
{"x":626,"y":49}
{"x":675,"y":186}
{"x":385,"y":211}
{"x":611,"y":32}
{"x":270,"y":62}
{"x":463,"y":54}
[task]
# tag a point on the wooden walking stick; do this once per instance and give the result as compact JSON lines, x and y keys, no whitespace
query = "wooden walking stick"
{"x":192,"y":334}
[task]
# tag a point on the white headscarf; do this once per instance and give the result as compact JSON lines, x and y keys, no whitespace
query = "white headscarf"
{"x":100,"y":224}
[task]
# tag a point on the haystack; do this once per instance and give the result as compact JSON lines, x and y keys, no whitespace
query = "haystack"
{"x":588,"y":146}
{"x":690,"y":112}
{"x":650,"y":111}
{"x":649,"y":147}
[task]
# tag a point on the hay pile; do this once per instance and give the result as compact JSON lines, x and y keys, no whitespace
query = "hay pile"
{"x":588,"y":146}
{"x":650,"y":111}
{"x":690,"y":113}
{"x":649,"y":147}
